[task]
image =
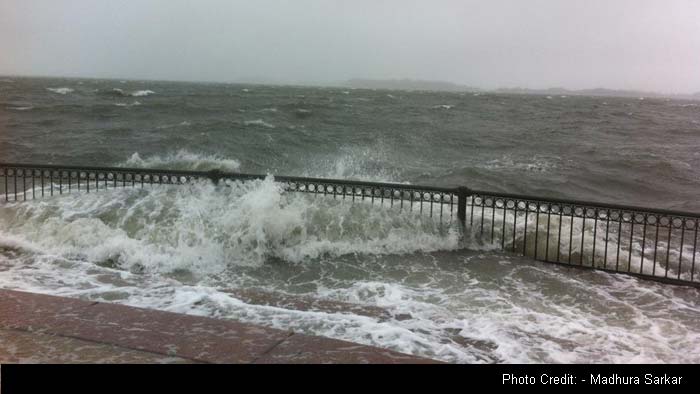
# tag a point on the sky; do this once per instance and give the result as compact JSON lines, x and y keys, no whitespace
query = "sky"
{"x":651,"y":45}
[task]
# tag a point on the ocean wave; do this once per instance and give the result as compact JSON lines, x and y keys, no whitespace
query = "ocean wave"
{"x":357,"y":163}
{"x":63,"y":91}
{"x":205,"y":228}
{"x":184,"y":160}
{"x":117,"y":92}
{"x":141,"y":93}
{"x":258,"y":122}
{"x":24,"y":108}
{"x":535,"y":163}
{"x":443,"y":106}
{"x":135,"y":103}
{"x":302,"y":113}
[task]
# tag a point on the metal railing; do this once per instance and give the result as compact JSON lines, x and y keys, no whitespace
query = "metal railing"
{"x":649,"y":243}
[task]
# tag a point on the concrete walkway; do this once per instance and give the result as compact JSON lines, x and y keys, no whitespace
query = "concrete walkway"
{"x":37,"y":328}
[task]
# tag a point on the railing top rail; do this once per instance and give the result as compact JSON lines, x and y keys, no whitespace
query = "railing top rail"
{"x":594,"y":204}
{"x":285,"y":178}
{"x":225,"y":174}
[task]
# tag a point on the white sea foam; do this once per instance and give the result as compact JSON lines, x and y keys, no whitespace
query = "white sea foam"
{"x":443,"y":106}
{"x":356,"y":162}
{"x":141,"y":93}
{"x":534,"y":163}
{"x":258,"y":122}
{"x":63,"y":91}
{"x":185,"y":160}
{"x":24,"y":108}
{"x":132,"y":104}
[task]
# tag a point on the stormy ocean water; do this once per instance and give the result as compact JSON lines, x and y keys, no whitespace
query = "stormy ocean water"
{"x":253,"y":253}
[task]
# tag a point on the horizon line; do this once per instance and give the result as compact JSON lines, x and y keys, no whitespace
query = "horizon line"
{"x":344,"y":83}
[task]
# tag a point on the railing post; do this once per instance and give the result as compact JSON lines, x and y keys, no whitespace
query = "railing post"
{"x":462,"y":194}
{"x":215,"y":176}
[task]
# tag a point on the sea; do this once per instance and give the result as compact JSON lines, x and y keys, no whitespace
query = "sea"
{"x":252,"y":252}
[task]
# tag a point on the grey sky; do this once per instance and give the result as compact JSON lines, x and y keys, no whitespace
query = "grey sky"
{"x":623,"y":44}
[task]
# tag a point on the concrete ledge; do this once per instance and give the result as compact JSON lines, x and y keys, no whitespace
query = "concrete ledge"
{"x":39,"y":328}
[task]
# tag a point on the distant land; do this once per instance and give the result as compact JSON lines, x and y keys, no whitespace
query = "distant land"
{"x":408,"y":84}
{"x":597,"y":92}
{"x":411,"y":84}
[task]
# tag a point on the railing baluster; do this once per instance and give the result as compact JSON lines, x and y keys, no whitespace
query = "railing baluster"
{"x":546,"y":244}
{"x":561,"y":209}
{"x":571,"y":234}
{"x":595,"y":235}
{"x":695,"y":249}
{"x":583,"y":234}
{"x":619,"y":234}
{"x":527,"y":210}
{"x":644,"y":243}
{"x":607,"y":235}
{"x":503,"y":227}
{"x":515,"y":220}
{"x":656,"y":247}
{"x":629,"y":259}
{"x":537,"y":228}
{"x":680,"y":256}
{"x":668,"y":249}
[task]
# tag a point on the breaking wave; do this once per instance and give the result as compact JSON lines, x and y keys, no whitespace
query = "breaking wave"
{"x":24,"y":108}
{"x":117,"y":92}
{"x":141,"y":93}
{"x":63,"y":91}
{"x":184,"y":160}
{"x":258,"y":122}
{"x":133,"y":104}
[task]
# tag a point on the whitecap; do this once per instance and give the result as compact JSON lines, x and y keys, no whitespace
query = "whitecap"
{"x":140,"y":93}
{"x":135,"y":103}
{"x":258,"y":122}
{"x":185,"y":160}
{"x":60,"y":90}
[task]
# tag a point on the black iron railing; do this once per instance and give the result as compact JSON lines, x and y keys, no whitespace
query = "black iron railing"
{"x":643,"y":242}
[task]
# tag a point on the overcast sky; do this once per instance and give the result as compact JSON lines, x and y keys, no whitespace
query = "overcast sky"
{"x":622,"y":44}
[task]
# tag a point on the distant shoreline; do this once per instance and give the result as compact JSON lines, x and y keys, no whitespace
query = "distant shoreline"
{"x":406,"y":85}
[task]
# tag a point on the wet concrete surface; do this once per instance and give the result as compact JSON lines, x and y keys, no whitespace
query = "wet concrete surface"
{"x":36,"y":328}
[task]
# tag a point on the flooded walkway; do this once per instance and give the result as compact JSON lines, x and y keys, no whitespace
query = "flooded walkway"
{"x":37,"y":328}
